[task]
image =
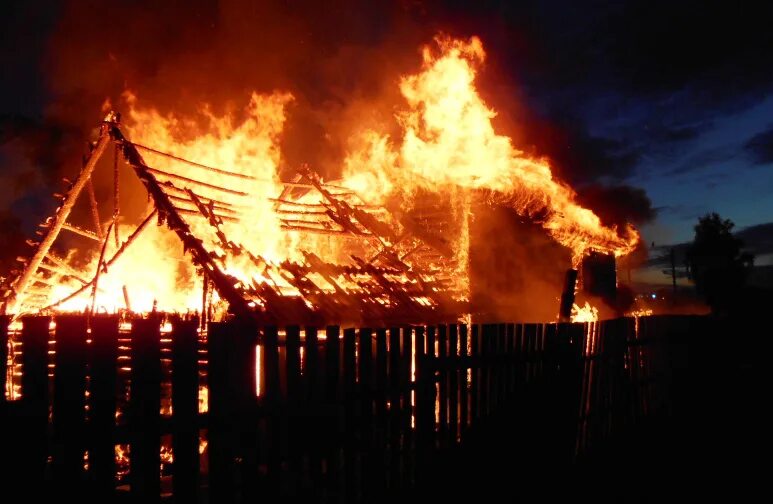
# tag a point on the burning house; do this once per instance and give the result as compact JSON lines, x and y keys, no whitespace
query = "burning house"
{"x":389,"y":241}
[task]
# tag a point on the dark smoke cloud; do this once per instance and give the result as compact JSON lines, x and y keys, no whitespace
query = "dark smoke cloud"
{"x":758,"y":239}
{"x":341,"y":62}
{"x":760,"y":147}
{"x":617,"y":205}
{"x":516,"y":269}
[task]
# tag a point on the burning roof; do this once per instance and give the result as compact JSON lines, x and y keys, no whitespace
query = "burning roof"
{"x":388,"y":241}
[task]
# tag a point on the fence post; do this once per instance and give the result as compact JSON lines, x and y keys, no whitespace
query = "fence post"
{"x":351,"y":428}
{"x":454,"y":366}
{"x":365,"y":362}
{"x":312,"y":434}
{"x":294,"y":417}
{"x":145,"y":407}
{"x":271,"y":400}
{"x":381,"y":419}
{"x":333,"y":423}
{"x":475,"y":375}
{"x":443,"y":367}
{"x":102,"y":399}
{"x":30,"y":440}
{"x":464,"y":384}
{"x":510,"y":355}
{"x":394,"y":407}
{"x":4,"y":321}
{"x":406,"y":411}
{"x":185,"y":410}
{"x":425,"y":400}
{"x":232,"y":409}
{"x":485,"y":371}
{"x":69,"y":403}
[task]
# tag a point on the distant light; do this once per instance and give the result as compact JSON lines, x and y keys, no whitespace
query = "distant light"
{"x":654,"y":296}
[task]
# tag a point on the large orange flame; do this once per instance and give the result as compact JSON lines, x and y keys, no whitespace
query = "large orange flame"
{"x":448,"y":145}
{"x":449,"y":140}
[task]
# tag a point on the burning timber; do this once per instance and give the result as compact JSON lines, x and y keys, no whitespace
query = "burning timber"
{"x":405,"y":276}
{"x":387,"y":244}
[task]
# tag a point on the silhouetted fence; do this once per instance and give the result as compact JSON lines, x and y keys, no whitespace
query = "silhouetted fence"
{"x":304,"y":414}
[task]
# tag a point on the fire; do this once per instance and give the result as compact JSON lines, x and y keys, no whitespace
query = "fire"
{"x":447,"y":146}
{"x":585,"y":313}
{"x":640,"y":312}
{"x":448,"y":141}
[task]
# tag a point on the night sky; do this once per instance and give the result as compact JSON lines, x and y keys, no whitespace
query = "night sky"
{"x":655,"y":111}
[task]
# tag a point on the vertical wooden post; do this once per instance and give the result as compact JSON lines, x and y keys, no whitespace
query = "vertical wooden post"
{"x":476,"y":375}
{"x":271,"y":399}
{"x":464,"y":413}
{"x":222,"y":486}
{"x":351,"y":413}
{"x":510,"y":355}
{"x":365,"y":371}
{"x":4,"y":321}
{"x":232,"y":409}
{"x":493,"y":366}
{"x":394,"y":407}
{"x":333,"y":425}
{"x":453,"y":384}
{"x":502,"y":362}
{"x":442,"y":344}
{"x":313,"y":433}
{"x":406,"y":410}
{"x":295,"y":401}
{"x":145,"y":407}
{"x":381,"y":419}
{"x":32,"y":434}
{"x":485,"y":371}
{"x":425,"y":400}
{"x":69,"y":403}
{"x":185,"y":410}
{"x":102,"y":399}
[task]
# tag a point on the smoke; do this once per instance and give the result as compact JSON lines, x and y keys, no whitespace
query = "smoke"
{"x":516,"y":269}
{"x":341,"y":62}
{"x":618,"y":204}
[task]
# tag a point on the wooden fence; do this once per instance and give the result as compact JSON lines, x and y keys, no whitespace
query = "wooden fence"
{"x":353,"y":415}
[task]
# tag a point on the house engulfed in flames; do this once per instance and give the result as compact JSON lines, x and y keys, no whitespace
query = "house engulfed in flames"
{"x":388,"y":241}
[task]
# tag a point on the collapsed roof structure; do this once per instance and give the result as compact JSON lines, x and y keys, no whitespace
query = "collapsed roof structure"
{"x":406,"y":276}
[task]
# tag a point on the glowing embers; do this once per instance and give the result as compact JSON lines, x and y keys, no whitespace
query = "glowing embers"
{"x":585,"y":313}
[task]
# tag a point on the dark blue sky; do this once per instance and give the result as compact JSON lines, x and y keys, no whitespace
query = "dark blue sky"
{"x":656,"y":111}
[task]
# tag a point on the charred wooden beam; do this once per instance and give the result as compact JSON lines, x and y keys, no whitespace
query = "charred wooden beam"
{"x":190,"y":211}
{"x":168,"y":188}
{"x":195,"y":164}
{"x":222,"y":282}
{"x":60,"y":219}
{"x":304,"y":229}
{"x":304,"y":222}
{"x":58,"y":271}
{"x":567,"y":296}
{"x":284,"y":201}
{"x":61,"y":264}
{"x":83,"y":232}
{"x":100,"y":264}
{"x":224,"y":207}
{"x":110,"y":262}
{"x":94,"y":209}
{"x":301,"y":212}
{"x":199,"y":183}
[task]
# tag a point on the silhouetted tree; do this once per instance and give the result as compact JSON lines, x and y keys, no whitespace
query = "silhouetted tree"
{"x":717,"y":265}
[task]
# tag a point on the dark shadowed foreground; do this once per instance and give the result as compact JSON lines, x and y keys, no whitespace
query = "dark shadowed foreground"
{"x":660,"y":408}
{"x":708,"y":444}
